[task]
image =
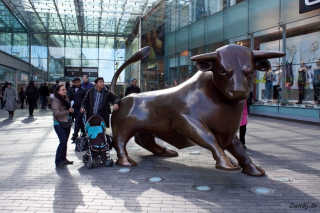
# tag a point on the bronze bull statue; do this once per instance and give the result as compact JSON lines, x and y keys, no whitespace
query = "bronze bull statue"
{"x":205,"y":110}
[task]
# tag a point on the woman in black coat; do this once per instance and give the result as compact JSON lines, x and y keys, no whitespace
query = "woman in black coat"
{"x":32,"y":94}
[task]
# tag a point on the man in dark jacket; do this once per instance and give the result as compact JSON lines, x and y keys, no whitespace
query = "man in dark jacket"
{"x":97,"y":101}
{"x":77,"y":94}
{"x":86,"y":84}
{"x":44,"y":93}
{"x":132,"y":88}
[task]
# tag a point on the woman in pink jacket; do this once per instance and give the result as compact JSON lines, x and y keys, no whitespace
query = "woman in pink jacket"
{"x":243,"y":125}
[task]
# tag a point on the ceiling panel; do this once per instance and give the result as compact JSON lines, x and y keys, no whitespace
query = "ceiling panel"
{"x":106,"y":17}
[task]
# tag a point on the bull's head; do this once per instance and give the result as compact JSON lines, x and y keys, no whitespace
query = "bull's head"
{"x":233,"y":68}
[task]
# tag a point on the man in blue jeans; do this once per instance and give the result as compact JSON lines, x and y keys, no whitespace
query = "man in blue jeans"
{"x":269,"y":81}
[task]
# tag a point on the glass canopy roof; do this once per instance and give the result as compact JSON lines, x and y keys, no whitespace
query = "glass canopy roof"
{"x":104,"y":17}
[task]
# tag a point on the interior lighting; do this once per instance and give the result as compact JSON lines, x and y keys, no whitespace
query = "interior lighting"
{"x":239,"y":43}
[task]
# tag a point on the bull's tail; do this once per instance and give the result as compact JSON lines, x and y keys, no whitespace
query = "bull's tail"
{"x":139,"y":55}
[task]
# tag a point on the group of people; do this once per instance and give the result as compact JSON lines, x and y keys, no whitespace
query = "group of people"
{"x":79,"y":100}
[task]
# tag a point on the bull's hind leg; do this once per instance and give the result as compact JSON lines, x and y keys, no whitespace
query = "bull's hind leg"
{"x":196,"y":131}
{"x":147,"y":141}
{"x":237,"y":150}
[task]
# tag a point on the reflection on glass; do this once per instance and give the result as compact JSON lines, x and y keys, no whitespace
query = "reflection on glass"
{"x":90,"y":47}
{"x":106,"y":48}
{"x":56,"y":46}
{"x":73,"y":47}
{"x":106,"y":70}
{"x":56,"y":69}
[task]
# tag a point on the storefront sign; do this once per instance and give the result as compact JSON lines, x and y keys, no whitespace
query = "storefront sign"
{"x":24,"y":77}
{"x":308,"y":5}
{"x":79,"y":71}
{"x":72,"y":71}
{"x":90,"y":71}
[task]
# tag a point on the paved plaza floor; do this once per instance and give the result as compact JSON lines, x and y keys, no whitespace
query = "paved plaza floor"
{"x":29,"y":181}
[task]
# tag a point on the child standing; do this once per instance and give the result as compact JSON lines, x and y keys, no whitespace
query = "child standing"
{"x":243,"y":125}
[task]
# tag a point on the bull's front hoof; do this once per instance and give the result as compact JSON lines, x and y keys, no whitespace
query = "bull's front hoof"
{"x":166,"y":153}
{"x":224,"y":163}
{"x":252,"y":170}
{"x":126,"y":161}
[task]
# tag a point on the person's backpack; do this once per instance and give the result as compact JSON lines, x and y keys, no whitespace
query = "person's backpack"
{"x":23,"y":95}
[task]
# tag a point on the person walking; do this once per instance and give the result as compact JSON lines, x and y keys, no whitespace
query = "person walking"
{"x":4,"y":89}
{"x":85,"y":83}
{"x":243,"y":125}
{"x":77,"y":94}
{"x":10,"y":97}
{"x":67,"y":85}
{"x":22,"y":97}
{"x":32,"y":94}
{"x":61,"y":109}
{"x":97,"y":101}
{"x":175,"y":83}
{"x":1,"y":96}
{"x":155,"y":87}
{"x":44,"y":93}
{"x":133,"y":88}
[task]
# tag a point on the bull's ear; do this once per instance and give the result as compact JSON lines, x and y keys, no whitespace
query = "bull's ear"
{"x":205,"y":61}
{"x":263,"y":65}
{"x":204,"y":65}
{"x":261,"y":55}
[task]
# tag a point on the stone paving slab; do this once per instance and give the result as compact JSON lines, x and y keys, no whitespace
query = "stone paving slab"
{"x":29,"y":181}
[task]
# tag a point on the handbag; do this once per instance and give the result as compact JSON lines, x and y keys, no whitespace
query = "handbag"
{"x":81,"y":144}
{"x":67,"y":124}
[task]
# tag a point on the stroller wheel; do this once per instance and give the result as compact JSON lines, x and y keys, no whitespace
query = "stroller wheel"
{"x":109,"y":162}
{"x":88,"y":164}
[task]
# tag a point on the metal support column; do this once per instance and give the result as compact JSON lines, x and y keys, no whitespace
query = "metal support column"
{"x":252,"y":41}
{"x":284,"y":48}
{"x":30,"y":67}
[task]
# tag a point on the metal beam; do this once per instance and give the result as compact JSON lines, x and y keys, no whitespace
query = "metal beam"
{"x":84,"y":34}
{"x":79,"y":12}
{"x":55,"y":5}
{"x":123,"y":8}
{"x":100,"y":18}
{"x":17,"y":15}
{"x":37,"y":14}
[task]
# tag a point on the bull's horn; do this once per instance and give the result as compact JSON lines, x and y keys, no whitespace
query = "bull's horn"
{"x":260,"y":55}
{"x":205,"y":57}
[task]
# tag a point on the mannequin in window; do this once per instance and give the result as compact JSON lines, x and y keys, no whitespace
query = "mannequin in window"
{"x":269,"y":79}
{"x":277,"y":83}
{"x":316,"y":82}
{"x":291,"y":59}
{"x":302,"y":78}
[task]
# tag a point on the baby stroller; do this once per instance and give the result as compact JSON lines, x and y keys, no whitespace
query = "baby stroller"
{"x":98,"y":146}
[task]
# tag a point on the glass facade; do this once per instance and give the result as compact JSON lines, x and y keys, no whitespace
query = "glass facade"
{"x":197,"y":27}
{"x":14,"y":38}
